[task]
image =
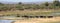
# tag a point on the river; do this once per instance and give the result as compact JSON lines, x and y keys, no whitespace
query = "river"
{"x":6,"y":21}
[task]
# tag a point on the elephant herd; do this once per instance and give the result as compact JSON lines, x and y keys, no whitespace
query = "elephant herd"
{"x":26,"y":16}
{"x":36,"y":16}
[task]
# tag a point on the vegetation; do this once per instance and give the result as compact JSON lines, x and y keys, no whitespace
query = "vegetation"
{"x":21,"y":6}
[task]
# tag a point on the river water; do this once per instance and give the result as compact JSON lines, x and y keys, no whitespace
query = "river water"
{"x":6,"y":21}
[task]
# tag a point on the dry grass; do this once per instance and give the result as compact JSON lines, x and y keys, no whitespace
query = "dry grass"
{"x":28,"y":12}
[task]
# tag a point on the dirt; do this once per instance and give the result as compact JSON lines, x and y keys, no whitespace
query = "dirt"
{"x":38,"y":20}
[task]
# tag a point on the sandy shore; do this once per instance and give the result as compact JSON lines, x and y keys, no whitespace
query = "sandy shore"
{"x":38,"y":20}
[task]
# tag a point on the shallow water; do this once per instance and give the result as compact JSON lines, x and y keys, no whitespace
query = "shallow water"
{"x":6,"y":21}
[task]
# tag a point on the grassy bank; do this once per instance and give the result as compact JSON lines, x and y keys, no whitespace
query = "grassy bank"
{"x":28,"y":12}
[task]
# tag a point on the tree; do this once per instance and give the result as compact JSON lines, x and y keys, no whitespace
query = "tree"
{"x":56,"y":3}
{"x":20,"y":3}
{"x":46,"y":4}
{"x":1,"y":4}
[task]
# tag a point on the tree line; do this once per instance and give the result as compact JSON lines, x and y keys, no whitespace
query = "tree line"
{"x":21,"y":6}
